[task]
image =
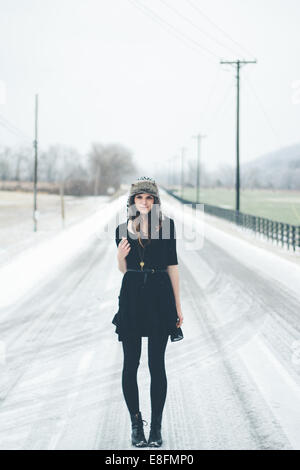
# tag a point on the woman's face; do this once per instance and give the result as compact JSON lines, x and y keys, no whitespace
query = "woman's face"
{"x":144,"y":202}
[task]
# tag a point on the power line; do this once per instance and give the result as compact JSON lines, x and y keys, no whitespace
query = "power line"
{"x":16,"y":134}
{"x":275,"y":132}
{"x":196,"y":26}
{"x":158,"y":18}
{"x":11,"y":125}
{"x":13,"y":129}
{"x":210,"y":93}
{"x":218,"y":27}
{"x":219,"y":109}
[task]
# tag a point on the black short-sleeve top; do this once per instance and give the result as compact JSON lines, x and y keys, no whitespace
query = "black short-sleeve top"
{"x":160,"y":253}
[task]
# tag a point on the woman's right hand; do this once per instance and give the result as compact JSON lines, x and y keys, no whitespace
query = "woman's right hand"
{"x":123,"y":248}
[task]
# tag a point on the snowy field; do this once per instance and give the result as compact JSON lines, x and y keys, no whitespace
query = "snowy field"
{"x":233,"y":381}
{"x":16,"y":218}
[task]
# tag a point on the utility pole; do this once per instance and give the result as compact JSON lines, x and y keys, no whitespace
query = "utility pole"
{"x":97,"y":179}
{"x":182,"y":170}
{"x":62,"y":190}
{"x":35,"y":145}
{"x":169,"y":169}
{"x":198,"y":137}
{"x":172,"y":172}
{"x":238,"y":64}
{"x":174,"y":178}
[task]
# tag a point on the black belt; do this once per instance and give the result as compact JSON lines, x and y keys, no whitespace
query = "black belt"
{"x":148,"y":270}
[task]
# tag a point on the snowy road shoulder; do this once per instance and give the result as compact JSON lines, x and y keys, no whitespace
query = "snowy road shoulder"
{"x":276,"y":385}
{"x":38,"y":263}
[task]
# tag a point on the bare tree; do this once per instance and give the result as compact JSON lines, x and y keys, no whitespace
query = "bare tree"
{"x":6,"y":159}
{"x":108,"y":164}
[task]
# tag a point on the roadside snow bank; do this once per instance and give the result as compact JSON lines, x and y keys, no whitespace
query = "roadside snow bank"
{"x":34,"y":265}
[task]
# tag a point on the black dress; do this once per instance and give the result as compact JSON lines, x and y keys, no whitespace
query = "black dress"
{"x":146,"y":301}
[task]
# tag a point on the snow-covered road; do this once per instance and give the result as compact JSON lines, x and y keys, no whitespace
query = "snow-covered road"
{"x":233,"y":381}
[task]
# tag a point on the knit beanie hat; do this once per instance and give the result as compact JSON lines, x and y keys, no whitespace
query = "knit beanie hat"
{"x":144,"y":184}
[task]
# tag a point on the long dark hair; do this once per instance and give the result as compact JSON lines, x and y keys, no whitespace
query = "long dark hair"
{"x":155,"y":214}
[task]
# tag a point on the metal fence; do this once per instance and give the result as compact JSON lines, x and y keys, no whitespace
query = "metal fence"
{"x":285,"y":234}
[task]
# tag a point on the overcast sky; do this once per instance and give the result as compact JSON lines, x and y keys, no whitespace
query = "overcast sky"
{"x":150,"y":78}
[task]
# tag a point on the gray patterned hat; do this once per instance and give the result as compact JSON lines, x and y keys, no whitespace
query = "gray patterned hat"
{"x":144,"y":184}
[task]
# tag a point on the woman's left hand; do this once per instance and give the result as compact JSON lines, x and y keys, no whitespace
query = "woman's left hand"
{"x":180,"y":316}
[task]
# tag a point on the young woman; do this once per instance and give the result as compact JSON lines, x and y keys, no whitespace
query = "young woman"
{"x":149,"y":303}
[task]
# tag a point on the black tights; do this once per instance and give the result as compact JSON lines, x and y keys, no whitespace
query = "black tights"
{"x":156,"y":362}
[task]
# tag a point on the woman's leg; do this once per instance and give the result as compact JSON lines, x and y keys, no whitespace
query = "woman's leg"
{"x":156,"y":360}
{"x":132,"y":353}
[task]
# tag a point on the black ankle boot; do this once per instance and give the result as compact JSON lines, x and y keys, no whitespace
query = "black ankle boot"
{"x":155,"y":439}
{"x":137,"y":436}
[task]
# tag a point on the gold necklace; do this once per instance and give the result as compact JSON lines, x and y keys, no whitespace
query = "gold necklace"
{"x":142,"y":263}
{"x":142,"y":258}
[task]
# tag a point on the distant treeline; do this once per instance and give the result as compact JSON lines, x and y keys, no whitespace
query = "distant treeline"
{"x":99,"y":171}
{"x":276,"y":170}
{"x":105,"y":167}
